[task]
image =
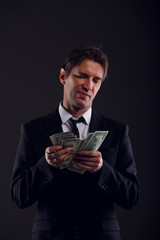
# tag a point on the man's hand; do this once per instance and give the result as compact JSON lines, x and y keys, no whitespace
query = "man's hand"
{"x":55,"y":155}
{"x":89,"y":160}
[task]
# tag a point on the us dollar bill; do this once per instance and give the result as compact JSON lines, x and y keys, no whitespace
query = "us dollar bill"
{"x":67,"y":139}
{"x":73,"y":167}
{"x":91,"y":143}
{"x":96,"y":141}
{"x":69,"y":143}
{"x":55,"y":138}
{"x":66,"y":163}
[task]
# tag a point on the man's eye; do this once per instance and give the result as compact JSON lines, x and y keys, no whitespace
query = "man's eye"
{"x":80,"y":76}
{"x":97,"y":80}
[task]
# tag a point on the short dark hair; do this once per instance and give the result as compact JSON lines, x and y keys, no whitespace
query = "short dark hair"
{"x":86,"y":52}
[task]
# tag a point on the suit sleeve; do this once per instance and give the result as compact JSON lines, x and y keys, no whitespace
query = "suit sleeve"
{"x":30,"y":175}
{"x":120,"y":183}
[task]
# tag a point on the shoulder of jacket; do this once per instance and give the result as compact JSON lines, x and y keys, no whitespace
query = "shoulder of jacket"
{"x":111,"y":122}
{"x":36,"y":122}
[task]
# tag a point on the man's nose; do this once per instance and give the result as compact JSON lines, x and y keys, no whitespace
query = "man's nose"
{"x":88,"y":84}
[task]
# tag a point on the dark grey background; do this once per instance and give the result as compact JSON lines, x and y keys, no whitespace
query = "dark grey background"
{"x":34,"y":40}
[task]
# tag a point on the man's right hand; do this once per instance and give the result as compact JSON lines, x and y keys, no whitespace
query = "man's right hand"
{"x":55,"y":155}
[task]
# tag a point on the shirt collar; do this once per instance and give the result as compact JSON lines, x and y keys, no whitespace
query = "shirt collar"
{"x":65,"y":116}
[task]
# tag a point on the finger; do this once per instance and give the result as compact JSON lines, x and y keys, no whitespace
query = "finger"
{"x":92,"y":169}
{"x":57,"y":162}
{"x":67,"y":156}
{"x":88,"y":159}
{"x":49,"y":156}
{"x":89,"y":153}
{"x":55,"y":154}
{"x":94,"y":158}
{"x":87,"y":163}
{"x":53,"y":149}
{"x":85,"y":167}
{"x":62,"y":152}
{"x":63,"y":158}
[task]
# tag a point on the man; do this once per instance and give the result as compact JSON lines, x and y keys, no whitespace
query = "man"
{"x":72,"y":205}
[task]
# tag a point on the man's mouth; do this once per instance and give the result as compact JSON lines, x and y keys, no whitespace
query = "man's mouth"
{"x":83,"y":94}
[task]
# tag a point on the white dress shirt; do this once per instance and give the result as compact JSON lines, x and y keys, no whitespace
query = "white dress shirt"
{"x":83,"y":127}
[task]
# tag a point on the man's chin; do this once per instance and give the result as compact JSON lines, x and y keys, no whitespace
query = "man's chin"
{"x":82,"y":105}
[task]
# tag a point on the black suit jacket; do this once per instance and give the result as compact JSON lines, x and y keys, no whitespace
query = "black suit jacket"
{"x":67,"y":200}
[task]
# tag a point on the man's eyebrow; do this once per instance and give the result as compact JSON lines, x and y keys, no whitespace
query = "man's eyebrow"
{"x":82,"y":73}
{"x":86,"y":75}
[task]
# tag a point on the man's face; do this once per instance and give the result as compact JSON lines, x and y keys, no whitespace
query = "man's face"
{"x":82,"y":85}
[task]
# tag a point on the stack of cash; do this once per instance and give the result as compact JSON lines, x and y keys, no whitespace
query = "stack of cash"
{"x":67,"y":139}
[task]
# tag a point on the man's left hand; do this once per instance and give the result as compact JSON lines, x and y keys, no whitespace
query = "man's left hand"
{"x":89,"y":160}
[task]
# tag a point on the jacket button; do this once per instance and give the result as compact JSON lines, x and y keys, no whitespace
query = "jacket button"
{"x":47,"y":179}
{"x":107,"y":189}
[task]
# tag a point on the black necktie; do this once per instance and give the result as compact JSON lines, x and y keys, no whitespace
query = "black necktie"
{"x":74,"y":125}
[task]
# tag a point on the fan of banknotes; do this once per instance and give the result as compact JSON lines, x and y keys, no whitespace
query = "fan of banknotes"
{"x":67,"y":139}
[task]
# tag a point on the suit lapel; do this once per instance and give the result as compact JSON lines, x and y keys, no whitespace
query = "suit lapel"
{"x":97,"y":123}
{"x":53,"y":123}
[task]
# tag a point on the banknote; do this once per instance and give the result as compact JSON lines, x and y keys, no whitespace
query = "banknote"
{"x":73,"y":143}
{"x":96,"y":141}
{"x":66,"y":136}
{"x":92,"y":143}
{"x":70,"y":142}
{"x":55,"y":138}
{"x":67,"y":139}
{"x":73,"y":167}
{"x":66,"y":163}
{"x":86,"y":141}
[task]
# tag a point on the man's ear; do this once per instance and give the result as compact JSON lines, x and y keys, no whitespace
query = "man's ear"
{"x":62,"y":76}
